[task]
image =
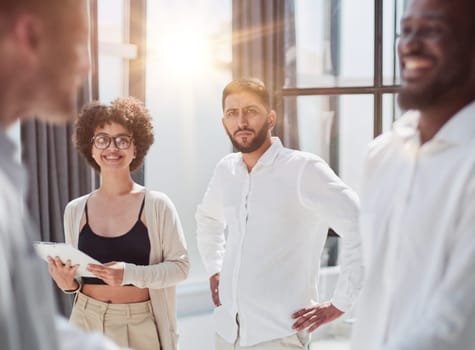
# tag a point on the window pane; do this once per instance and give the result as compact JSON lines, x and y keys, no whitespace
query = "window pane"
{"x":110,"y":14}
{"x":334,"y":43}
{"x":112,"y":78}
{"x":355,"y":132}
{"x":113,"y":69}
{"x":392,"y":12}
{"x":329,"y":127}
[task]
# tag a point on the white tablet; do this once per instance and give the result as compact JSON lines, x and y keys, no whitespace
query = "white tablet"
{"x":66,"y":251}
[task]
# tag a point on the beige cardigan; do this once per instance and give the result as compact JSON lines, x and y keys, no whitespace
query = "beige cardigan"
{"x":168,"y":259}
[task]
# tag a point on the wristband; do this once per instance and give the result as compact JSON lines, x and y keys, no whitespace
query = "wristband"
{"x":72,"y":291}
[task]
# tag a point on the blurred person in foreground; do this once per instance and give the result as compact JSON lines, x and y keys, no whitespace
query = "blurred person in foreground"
{"x":43,"y":60}
{"x":276,"y":205}
{"x":135,"y":233}
{"x":418,"y":201}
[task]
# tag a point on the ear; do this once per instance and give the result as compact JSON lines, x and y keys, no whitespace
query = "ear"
{"x":25,"y":37}
{"x":271,"y":119}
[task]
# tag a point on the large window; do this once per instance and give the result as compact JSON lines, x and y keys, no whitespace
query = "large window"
{"x":188,"y":64}
{"x":345,"y":78}
{"x":338,"y":129}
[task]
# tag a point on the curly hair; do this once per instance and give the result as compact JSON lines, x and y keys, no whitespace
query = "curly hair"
{"x":128,"y":112}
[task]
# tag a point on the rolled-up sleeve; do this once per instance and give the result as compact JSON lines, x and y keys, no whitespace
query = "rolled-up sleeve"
{"x":210,"y":224}
{"x":322,"y":190}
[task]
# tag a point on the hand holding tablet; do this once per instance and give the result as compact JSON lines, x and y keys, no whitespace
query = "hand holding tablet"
{"x":66,"y":251}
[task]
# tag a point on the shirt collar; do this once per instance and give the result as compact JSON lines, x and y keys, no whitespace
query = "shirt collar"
{"x":9,"y":166}
{"x":458,"y":130}
{"x":7,"y":146}
{"x":406,"y":126}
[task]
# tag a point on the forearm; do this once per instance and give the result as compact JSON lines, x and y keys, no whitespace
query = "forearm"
{"x":162,"y":275}
{"x":211,"y":241}
{"x":212,"y":254}
{"x":351,"y":276}
{"x":338,"y":205}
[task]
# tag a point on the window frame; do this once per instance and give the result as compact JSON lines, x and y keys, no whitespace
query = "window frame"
{"x":377,"y":90}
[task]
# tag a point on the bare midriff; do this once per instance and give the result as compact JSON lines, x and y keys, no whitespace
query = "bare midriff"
{"x":116,"y":295}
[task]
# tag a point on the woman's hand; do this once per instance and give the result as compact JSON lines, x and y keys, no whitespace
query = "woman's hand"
{"x":112,"y":272}
{"x":63,"y":273}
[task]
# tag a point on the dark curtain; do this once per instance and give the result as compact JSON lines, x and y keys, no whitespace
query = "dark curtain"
{"x":264,"y":48}
{"x":137,"y":66}
{"x":57,"y":173}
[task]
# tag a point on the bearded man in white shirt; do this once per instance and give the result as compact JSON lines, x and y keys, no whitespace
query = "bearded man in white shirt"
{"x":418,"y":203}
{"x":276,"y":205}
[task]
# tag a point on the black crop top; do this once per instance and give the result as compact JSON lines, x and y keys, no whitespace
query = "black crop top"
{"x":131,"y":247}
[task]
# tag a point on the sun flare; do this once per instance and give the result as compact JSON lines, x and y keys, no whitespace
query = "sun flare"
{"x":182,"y":51}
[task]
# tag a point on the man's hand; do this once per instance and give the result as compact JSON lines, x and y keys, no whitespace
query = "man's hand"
{"x":112,"y":272}
{"x":214,"y":286}
{"x":315,"y":316}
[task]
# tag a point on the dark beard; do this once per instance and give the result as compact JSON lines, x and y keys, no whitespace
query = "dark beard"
{"x":419,"y":100}
{"x":438,"y":91}
{"x":258,"y":141}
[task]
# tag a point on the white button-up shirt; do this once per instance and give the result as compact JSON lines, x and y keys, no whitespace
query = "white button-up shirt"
{"x":277,"y":217}
{"x":26,"y":297}
{"x":418,"y":228}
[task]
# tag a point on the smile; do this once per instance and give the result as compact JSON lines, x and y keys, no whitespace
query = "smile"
{"x":415,"y":67}
{"x":112,"y":157}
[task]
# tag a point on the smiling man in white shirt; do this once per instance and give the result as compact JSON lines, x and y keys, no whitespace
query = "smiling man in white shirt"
{"x":276,"y":205}
{"x":418,"y":203}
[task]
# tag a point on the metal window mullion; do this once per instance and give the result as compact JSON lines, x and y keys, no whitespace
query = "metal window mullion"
{"x":378,"y":67}
{"x":347,"y":90}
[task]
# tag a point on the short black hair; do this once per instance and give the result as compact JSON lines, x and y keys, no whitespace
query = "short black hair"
{"x":250,"y":85}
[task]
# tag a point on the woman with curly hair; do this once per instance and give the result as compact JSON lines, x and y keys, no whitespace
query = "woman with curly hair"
{"x":134,"y":233}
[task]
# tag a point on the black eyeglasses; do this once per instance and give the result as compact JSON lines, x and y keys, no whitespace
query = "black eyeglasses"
{"x":102,"y":141}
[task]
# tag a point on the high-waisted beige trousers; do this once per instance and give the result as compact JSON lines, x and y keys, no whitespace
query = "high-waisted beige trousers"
{"x":129,"y":325}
